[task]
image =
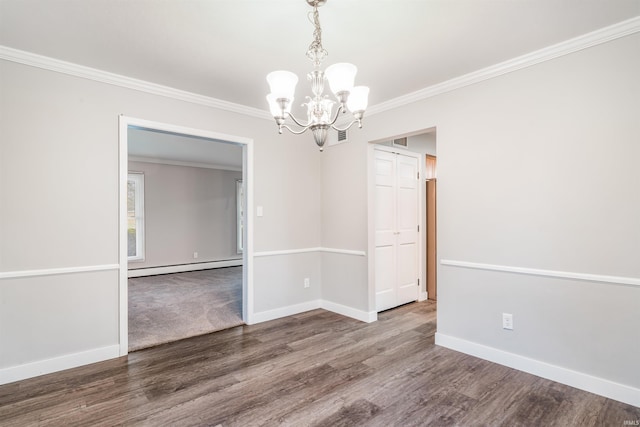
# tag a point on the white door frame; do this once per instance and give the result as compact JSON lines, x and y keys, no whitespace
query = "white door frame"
{"x":371,"y":181}
{"x":247,"y":177}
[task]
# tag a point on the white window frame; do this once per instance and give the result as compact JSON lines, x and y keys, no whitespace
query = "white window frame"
{"x":138,"y":179}
{"x":240,"y":215}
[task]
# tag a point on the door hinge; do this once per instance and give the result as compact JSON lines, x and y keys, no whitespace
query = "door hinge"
{"x":418,"y":175}
{"x":418,"y":282}
{"x":418,"y":228}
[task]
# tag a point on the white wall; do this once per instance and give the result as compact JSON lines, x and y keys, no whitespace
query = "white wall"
{"x":187,"y":210}
{"x":536,"y":169}
{"x":59,"y":210}
{"x":423,"y":143}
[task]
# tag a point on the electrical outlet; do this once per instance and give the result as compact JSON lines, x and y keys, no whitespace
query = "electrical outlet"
{"x":195,"y":255}
{"x":307,"y":282}
{"x":507,"y":321}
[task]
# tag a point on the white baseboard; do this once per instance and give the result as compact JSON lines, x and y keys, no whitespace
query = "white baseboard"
{"x":264,"y":316}
{"x":423,"y":296}
{"x":152,"y":271}
{"x":582,"y":381}
{"x":41,"y":367}
{"x":60,"y":363}
{"x":363,"y":316}
{"x":290,"y":310}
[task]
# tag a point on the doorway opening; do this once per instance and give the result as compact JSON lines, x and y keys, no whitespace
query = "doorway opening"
{"x":401,"y":236}
{"x":185,"y":243}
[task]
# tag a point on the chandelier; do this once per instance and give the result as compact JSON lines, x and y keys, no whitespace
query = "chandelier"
{"x":341,"y":78}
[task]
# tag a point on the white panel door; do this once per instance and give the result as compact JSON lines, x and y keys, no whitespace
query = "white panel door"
{"x":407,"y":228}
{"x":396,"y":229}
{"x":385,"y":226}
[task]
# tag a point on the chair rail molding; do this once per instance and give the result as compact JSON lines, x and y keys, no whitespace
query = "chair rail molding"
{"x":616,"y":280}
{"x":57,"y":271}
{"x":307,"y":250}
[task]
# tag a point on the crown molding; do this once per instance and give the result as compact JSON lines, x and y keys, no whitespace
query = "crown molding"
{"x":52,"y":64}
{"x":585,"y":41}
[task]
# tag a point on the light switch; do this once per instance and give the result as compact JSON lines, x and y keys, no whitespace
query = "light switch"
{"x":259,"y":211}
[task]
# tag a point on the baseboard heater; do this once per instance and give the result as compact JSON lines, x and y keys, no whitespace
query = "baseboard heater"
{"x":181,"y":268}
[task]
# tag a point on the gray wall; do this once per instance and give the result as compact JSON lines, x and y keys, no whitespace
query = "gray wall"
{"x":59,"y":208}
{"x":187,"y":210}
{"x":536,"y":169}
{"x":344,"y":223}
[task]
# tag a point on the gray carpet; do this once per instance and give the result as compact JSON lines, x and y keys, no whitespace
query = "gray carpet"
{"x":170,"y":307}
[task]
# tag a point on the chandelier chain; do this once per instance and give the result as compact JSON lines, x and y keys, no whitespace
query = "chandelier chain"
{"x":316,"y":52}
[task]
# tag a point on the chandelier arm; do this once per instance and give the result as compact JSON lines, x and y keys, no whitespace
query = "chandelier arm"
{"x":298,"y":123}
{"x":350,"y":124}
{"x":339,"y":110}
{"x":304,"y":129}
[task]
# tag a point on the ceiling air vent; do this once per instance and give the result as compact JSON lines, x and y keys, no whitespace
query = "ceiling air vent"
{"x":342,"y":135}
{"x":400,"y":142}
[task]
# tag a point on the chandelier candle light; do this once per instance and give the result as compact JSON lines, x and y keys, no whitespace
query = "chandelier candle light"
{"x":341,"y":79}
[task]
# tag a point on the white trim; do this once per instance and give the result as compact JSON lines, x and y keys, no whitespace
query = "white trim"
{"x":371,"y":228}
{"x":363,"y":316}
{"x":57,"y":271}
{"x":582,"y":381}
{"x":423,"y":296}
{"x":593,"y":38}
{"x":152,"y":271}
{"x":181,"y":163}
{"x":567,"y":47}
{"x":307,"y":250}
{"x":52,"y":64}
{"x":285,"y":252}
{"x":184,"y":130}
{"x":290,"y":310}
{"x":343,"y":251}
{"x":247,"y":252}
{"x":47,"y":366}
{"x":123,"y":251}
{"x":633,"y":281}
{"x":247,"y":176}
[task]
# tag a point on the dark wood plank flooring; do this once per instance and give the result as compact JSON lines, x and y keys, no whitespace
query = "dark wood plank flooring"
{"x":312,"y":369}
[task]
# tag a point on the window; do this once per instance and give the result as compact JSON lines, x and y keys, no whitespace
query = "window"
{"x":135,"y":216}
{"x":240,"y":214}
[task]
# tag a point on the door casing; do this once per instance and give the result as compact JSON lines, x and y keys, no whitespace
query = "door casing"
{"x":247,"y":176}
{"x":371,"y":222}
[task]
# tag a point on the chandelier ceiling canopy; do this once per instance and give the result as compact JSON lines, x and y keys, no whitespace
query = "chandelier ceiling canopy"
{"x":340,"y":76}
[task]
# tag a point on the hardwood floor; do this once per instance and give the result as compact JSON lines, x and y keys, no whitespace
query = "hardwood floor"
{"x":317,"y":368}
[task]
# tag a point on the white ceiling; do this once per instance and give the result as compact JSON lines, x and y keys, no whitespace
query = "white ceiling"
{"x":163,"y":147}
{"x":224,"y":48}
